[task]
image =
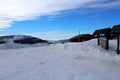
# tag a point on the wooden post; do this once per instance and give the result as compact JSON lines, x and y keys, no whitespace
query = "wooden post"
{"x":98,"y":36}
{"x":107,"y":41}
{"x":118,"y":44}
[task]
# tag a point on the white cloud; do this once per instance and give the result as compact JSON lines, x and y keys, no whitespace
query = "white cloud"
{"x":106,"y":4}
{"x":5,"y":23}
{"x":20,"y":10}
{"x":30,"y":9}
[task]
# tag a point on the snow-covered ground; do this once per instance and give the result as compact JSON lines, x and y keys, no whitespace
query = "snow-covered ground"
{"x":12,"y":45}
{"x":69,"y":61}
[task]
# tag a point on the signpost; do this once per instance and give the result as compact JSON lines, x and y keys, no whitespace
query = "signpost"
{"x":103,"y":37}
{"x":103,"y":42}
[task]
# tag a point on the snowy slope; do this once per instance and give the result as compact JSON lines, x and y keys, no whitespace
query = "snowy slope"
{"x":20,"y":41}
{"x":69,"y":61}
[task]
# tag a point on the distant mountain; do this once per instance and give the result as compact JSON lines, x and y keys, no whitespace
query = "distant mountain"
{"x":81,"y":38}
{"x":21,"y":39}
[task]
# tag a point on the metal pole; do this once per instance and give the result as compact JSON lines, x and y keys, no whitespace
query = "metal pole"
{"x":79,"y":32}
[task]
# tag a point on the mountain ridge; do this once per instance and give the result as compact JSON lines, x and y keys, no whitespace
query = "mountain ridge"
{"x":22,"y":39}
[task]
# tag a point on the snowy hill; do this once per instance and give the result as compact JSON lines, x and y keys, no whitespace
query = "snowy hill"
{"x":20,"y":41}
{"x":69,"y":61}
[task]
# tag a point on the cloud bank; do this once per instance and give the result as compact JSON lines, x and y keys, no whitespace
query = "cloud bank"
{"x":56,"y":35}
{"x":21,"y":10}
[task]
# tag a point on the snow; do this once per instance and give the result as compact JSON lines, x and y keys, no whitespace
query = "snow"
{"x":69,"y":61}
{"x":12,"y":45}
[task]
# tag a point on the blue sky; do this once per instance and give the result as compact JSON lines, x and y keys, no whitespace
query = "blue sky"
{"x":57,"y":19}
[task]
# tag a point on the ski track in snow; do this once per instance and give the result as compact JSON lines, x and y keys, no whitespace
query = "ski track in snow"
{"x":69,"y":61}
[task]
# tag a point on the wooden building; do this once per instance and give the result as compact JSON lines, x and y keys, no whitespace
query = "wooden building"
{"x":103,"y":36}
{"x":116,"y":30}
{"x":81,"y":38}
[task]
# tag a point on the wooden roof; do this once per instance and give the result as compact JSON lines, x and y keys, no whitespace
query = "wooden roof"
{"x":115,"y":29}
{"x":102,"y":31}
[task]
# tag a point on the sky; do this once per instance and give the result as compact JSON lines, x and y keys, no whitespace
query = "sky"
{"x":57,"y":19}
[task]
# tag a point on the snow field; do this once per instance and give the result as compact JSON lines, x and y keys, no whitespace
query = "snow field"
{"x":69,"y":61}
